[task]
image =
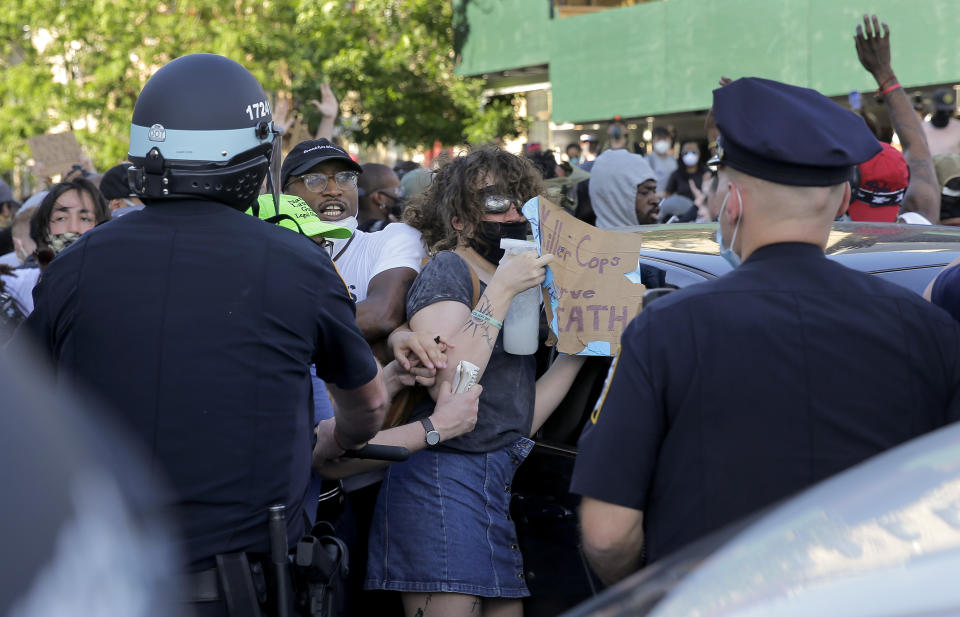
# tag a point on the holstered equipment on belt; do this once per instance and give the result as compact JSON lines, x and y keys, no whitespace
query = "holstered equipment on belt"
{"x":320,"y":570}
{"x":237,"y":582}
{"x":251,"y":585}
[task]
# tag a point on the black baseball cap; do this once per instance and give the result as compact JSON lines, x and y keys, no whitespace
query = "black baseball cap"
{"x":944,"y":100}
{"x":312,"y":152}
{"x":114,"y":183}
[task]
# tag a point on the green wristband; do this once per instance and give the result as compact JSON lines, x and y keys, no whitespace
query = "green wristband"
{"x":484,"y":317}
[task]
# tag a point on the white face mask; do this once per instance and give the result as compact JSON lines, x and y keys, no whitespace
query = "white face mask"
{"x":727,"y":252}
{"x":661,"y":147}
{"x":338,"y":243}
{"x":690,"y":159}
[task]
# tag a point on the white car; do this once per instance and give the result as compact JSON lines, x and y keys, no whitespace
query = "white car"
{"x":881,"y":539}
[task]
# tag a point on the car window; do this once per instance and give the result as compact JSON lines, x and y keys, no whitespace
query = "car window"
{"x":674,"y":274}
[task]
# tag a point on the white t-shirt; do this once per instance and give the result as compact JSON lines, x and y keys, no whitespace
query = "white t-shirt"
{"x":945,"y":140}
{"x":20,"y":284}
{"x":395,"y":246}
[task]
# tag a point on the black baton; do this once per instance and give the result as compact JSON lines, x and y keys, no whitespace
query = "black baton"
{"x":379,"y":452}
{"x":278,"y":557}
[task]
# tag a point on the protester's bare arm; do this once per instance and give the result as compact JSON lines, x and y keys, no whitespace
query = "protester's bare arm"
{"x":454,"y":415}
{"x":329,"y":108}
{"x":384,"y":307}
{"x":553,"y":386}
{"x":448,"y":317}
{"x":873,"y":50}
{"x":612,"y":538}
{"x":474,"y":337}
{"x":359,"y":412}
{"x":282,"y":113}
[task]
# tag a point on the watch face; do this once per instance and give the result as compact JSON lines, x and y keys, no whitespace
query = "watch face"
{"x":433,"y":438}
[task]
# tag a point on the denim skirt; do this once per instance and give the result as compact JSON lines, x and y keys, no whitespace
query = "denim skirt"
{"x":442,"y":524}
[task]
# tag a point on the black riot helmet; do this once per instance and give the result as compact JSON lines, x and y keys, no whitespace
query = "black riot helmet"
{"x":202,"y":127}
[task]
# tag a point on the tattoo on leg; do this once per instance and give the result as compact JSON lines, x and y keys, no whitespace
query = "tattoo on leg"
{"x":475,"y":609}
{"x":419,"y":613}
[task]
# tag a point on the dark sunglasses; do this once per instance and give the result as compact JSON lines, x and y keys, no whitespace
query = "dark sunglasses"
{"x":317,"y":182}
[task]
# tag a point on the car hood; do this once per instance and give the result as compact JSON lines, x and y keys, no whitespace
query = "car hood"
{"x":882,"y":538}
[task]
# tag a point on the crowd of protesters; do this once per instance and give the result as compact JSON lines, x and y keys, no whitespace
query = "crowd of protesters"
{"x":427,"y":286}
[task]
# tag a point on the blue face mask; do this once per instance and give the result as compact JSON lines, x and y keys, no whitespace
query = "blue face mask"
{"x":727,"y":251}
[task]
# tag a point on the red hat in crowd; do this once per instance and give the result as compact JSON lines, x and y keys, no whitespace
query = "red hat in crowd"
{"x":883,"y":183}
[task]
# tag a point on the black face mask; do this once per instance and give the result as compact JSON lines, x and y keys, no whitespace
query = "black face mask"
{"x":486,"y":239}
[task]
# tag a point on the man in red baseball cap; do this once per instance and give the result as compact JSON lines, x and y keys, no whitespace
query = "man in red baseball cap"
{"x":879,"y":186}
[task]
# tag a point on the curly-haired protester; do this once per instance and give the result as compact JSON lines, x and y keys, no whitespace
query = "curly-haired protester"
{"x":464,"y":483}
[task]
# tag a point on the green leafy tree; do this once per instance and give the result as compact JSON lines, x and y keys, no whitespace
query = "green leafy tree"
{"x":81,"y":64}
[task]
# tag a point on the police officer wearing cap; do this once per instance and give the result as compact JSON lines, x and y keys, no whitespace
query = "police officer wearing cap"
{"x":734,"y":393}
{"x":197,"y":324}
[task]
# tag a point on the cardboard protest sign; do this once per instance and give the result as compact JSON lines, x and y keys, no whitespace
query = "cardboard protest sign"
{"x":55,"y":152}
{"x":591,"y":283}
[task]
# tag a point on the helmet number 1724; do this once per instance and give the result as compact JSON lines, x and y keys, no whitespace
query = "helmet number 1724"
{"x":258,"y":110}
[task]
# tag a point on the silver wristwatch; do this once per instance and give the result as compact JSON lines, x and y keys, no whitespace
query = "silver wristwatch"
{"x":432,"y":436}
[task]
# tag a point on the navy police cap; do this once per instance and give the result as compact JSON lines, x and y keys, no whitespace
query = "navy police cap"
{"x":787,"y":134}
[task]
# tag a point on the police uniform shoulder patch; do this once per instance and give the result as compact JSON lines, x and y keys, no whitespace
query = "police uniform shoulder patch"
{"x":606,"y":388}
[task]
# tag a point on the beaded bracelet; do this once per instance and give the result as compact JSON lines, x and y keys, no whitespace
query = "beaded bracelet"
{"x":484,"y":317}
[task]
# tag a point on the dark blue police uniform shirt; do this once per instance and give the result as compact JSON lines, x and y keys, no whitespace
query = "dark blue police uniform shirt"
{"x":734,"y":393}
{"x":197,"y":324}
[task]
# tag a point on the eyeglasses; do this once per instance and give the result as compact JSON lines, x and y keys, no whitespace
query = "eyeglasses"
{"x":498,"y":204}
{"x":317,"y":183}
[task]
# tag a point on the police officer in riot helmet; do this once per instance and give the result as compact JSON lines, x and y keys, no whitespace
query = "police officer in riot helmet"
{"x":197,"y":324}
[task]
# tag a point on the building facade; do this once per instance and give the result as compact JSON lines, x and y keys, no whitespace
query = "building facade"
{"x":579,"y":63}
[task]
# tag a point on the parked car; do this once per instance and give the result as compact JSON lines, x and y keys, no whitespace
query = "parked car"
{"x":881,"y":539}
{"x":544,"y":510}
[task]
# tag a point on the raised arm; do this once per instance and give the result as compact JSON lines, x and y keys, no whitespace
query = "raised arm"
{"x":873,"y":50}
{"x":473,"y":333}
{"x":329,"y":108}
